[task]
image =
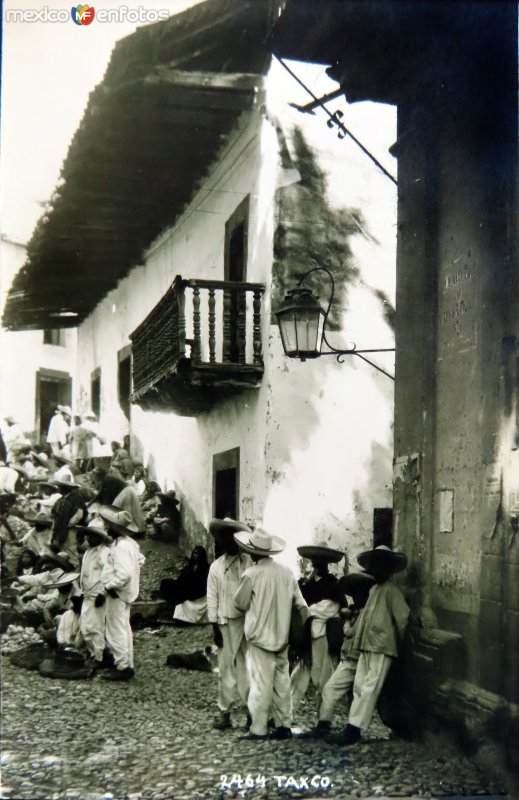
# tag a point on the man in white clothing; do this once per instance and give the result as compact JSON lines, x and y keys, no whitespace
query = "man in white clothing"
{"x":59,"y":428}
{"x":222,"y":582}
{"x":266,"y":594}
{"x":93,"y":610}
{"x":120,"y":580}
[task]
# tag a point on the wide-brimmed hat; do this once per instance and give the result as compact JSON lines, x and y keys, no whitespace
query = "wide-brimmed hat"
{"x":320,"y":551}
{"x":20,"y":470}
{"x":219,"y":526}
{"x":259,"y":542}
{"x":383,"y":555}
{"x":39,"y":518}
{"x":63,"y":580}
{"x":355,"y":582}
{"x":119,"y":519}
{"x":11,"y":419}
{"x":169,"y":497}
{"x":95,"y":527}
{"x":89,"y":414}
{"x":65,"y":410}
{"x":60,"y":561}
{"x":65,"y":482}
{"x":41,"y":458}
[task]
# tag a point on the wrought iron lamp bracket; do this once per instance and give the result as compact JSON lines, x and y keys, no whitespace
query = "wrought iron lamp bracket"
{"x":351,"y":351}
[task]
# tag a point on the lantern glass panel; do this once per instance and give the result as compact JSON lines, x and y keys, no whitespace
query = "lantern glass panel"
{"x":307,"y":330}
{"x":287,"y":328}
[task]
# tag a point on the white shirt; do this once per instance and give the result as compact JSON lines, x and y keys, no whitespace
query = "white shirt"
{"x":122,"y":568}
{"x":266,"y":593}
{"x":37,"y":541}
{"x":8,"y":478}
{"x":222,"y":582}
{"x":92,"y":567}
{"x":58,"y":430}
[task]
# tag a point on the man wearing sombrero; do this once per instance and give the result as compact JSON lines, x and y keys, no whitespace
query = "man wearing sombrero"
{"x":120,"y":581}
{"x":39,"y":537}
{"x":266,"y":594}
{"x":379,"y":631}
{"x":323,"y":629}
{"x":69,"y":511}
{"x":93,"y":610}
{"x":228,"y":622}
{"x":356,"y":585}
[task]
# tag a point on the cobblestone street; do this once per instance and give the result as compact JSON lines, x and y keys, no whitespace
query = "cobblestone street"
{"x":152,"y":738}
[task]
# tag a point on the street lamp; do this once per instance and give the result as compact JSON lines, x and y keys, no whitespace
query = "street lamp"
{"x":301,"y":321}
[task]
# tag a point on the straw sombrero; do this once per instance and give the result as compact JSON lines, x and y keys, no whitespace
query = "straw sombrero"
{"x":217,"y":526}
{"x":95,"y":527}
{"x":321,"y":551}
{"x":259,"y":542}
{"x":383,"y":555}
{"x":63,"y":580}
{"x":40,"y":518}
{"x":119,"y":519}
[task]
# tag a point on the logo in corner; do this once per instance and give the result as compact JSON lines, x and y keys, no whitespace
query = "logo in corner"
{"x":83,"y":15}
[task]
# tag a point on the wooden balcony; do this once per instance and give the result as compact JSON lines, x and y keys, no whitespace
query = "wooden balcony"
{"x":199,"y":345}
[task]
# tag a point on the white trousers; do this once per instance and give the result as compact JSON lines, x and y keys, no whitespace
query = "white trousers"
{"x":93,"y":625}
{"x":118,"y":632}
{"x":232,"y":667}
{"x":269,"y":688}
{"x":336,"y":687}
{"x":369,"y":679}
{"x":322,"y":668}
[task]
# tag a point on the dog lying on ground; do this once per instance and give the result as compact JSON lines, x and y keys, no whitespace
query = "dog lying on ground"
{"x":201,"y":660}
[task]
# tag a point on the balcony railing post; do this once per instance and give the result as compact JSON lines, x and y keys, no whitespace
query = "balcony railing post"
{"x":180,"y":287}
{"x":196,"y":349}
{"x":212,"y":328}
{"x":241,"y":309}
{"x":227,"y":312}
{"x":256,"y":328}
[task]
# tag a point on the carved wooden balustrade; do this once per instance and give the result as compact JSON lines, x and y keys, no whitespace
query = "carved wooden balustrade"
{"x":201,"y":343}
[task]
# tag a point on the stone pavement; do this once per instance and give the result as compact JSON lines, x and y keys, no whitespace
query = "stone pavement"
{"x":151,"y":738}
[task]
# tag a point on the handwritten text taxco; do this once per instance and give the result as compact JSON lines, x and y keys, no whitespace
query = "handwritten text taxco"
{"x":249,"y":781}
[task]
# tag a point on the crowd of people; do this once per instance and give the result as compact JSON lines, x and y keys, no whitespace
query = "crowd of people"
{"x":73,"y":525}
{"x":78,"y":570}
{"x":265,"y":622}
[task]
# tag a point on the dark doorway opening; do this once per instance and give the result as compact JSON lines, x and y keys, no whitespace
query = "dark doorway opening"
{"x":95,"y":391}
{"x":124,"y":379}
{"x":235,"y":268}
{"x":383,"y":527}
{"x":226,"y":486}
{"x":53,"y":388}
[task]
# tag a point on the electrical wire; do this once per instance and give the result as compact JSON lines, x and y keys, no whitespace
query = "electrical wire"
{"x":339,"y":124}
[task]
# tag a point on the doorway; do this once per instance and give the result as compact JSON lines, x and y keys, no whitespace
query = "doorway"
{"x":235,"y":268}
{"x":53,"y":388}
{"x":226,"y":483}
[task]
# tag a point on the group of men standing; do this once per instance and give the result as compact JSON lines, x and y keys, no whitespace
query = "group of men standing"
{"x":251,"y":603}
{"x":109,"y":583}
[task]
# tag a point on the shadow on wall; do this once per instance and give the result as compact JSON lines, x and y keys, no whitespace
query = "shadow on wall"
{"x":310,"y":232}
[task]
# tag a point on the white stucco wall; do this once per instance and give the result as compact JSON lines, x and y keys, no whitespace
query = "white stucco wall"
{"x":315,"y":439}
{"x":22,"y":353}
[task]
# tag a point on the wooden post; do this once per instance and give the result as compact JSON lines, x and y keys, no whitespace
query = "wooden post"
{"x":196,"y":350}
{"x":226,"y":349}
{"x":181,"y":322}
{"x":212,"y":334}
{"x":241,"y":308}
{"x":256,"y":328}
